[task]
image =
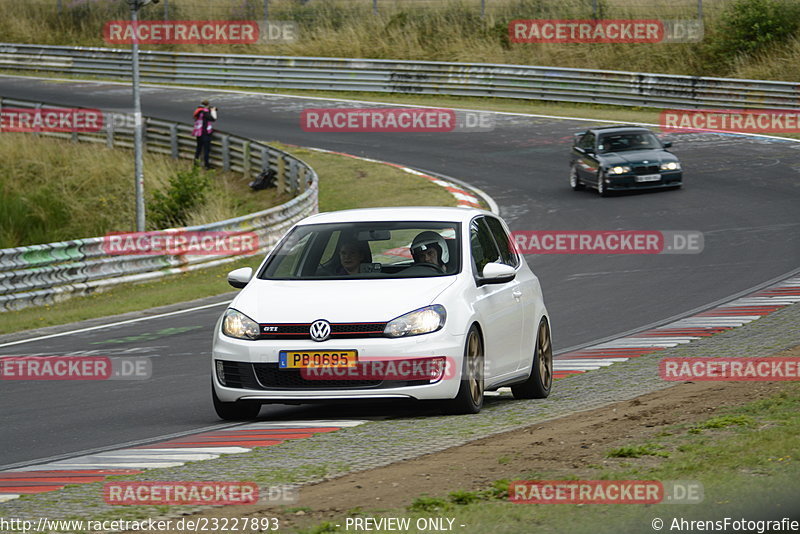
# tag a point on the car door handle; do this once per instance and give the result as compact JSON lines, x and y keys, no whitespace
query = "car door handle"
{"x":517,"y":294}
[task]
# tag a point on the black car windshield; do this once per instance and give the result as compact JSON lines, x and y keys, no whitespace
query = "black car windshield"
{"x":628,"y":141}
{"x":366,"y":250}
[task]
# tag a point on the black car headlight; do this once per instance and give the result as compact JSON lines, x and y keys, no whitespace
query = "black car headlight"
{"x":238,"y":325}
{"x":619,"y":169}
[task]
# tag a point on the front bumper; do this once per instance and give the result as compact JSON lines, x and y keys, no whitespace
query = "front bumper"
{"x":627,"y":182}
{"x":250,"y":369}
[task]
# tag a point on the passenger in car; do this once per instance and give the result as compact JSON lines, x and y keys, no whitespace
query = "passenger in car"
{"x":351,"y":255}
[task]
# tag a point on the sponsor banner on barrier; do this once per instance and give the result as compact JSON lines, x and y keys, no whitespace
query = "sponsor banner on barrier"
{"x":74,"y":368}
{"x":181,"y":242}
{"x":608,"y":242}
{"x":730,"y":369}
{"x":29,"y":120}
{"x":428,"y":120}
{"x":586,"y":31}
{"x":433,"y":369}
{"x":760,"y":121}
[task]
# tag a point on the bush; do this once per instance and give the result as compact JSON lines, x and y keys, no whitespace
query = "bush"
{"x":749,"y":26}
{"x":187,"y":190}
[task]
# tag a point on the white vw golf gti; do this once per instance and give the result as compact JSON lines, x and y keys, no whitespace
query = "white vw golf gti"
{"x":384,"y":303}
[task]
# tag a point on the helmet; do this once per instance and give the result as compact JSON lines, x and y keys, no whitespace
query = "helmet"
{"x":427,"y":239}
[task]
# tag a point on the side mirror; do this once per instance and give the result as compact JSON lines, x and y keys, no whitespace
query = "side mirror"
{"x":497,"y":273}
{"x":667,"y":144}
{"x":238,"y":278}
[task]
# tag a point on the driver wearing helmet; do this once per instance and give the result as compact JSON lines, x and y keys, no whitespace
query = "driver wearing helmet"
{"x":430,"y":247}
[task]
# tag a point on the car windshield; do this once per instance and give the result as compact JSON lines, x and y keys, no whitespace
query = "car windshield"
{"x":628,"y":141}
{"x":366,"y":250}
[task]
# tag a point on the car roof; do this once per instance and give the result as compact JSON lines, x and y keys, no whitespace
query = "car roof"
{"x":404,"y":213}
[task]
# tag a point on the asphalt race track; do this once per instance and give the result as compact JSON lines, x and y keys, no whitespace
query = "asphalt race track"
{"x":742,"y":192}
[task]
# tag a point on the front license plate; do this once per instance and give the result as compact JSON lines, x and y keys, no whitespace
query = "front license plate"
{"x":648,"y":178}
{"x":317,"y":359}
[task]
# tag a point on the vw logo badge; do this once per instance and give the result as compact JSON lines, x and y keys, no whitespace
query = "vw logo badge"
{"x":320,"y":330}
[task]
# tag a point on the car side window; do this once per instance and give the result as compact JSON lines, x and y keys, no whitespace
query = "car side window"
{"x":482,"y":245}
{"x":587,"y":142}
{"x":503,"y":241}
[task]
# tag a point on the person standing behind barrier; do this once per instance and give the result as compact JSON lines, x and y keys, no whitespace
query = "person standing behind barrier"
{"x":204,"y":115}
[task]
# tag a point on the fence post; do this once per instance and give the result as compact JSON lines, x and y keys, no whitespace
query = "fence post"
{"x":246,"y":158}
{"x":595,"y":9}
{"x":37,"y":106}
{"x":483,"y":9}
{"x":266,"y":10}
{"x":374,"y":7}
{"x":60,"y":7}
{"x":699,"y":9}
{"x":110,"y":133}
{"x":294,"y":179}
{"x":264,"y":158}
{"x":173,"y":140}
{"x":226,"y":153}
{"x":281,"y":174}
{"x":166,"y":9}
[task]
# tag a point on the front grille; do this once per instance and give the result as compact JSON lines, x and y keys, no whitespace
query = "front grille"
{"x":270,"y":376}
{"x":641,"y":169}
{"x":338,"y":330}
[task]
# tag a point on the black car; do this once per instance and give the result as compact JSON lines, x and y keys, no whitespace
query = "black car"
{"x":622,"y":158}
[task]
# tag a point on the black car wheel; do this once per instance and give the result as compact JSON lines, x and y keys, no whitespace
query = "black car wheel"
{"x":574,"y":181}
{"x":601,"y":184}
{"x":540,"y":382}
{"x":235,"y":411}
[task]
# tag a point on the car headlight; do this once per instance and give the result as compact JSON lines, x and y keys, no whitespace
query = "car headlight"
{"x":422,"y":321}
{"x":238,"y":325}
{"x":619,"y":169}
{"x":671,"y":166}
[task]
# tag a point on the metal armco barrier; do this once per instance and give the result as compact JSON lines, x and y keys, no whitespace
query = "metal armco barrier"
{"x":408,"y":77}
{"x":42,"y":274}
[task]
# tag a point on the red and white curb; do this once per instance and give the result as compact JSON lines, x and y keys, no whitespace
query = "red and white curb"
{"x":729,"y":315}
{"x":465,"y":198}
{"x":175,"y":452}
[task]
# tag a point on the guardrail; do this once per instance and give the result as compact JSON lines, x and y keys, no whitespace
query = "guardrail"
{"x":47,"y":273}
{"x":408,"y":77}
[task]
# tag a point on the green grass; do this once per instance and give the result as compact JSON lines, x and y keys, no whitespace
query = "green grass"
{"x":344,"y":183}
{"x":637,"y":451}
{"x":754,"y":41}
{"x":750,"y":465}
{"x":54,"y":190}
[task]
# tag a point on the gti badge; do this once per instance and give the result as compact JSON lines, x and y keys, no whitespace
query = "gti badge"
{"x":320,"y":330}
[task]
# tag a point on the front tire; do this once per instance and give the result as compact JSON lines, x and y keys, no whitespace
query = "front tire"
{"x":470,"y":393}
{"x":540,"y":382}
{"x":235,"y":411}
{"x":574,"y":182}
{"x":601,"y":184}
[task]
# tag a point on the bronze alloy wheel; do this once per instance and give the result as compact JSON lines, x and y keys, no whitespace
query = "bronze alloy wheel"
{"x":540,"y":381}
{"x":469,"y":399}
